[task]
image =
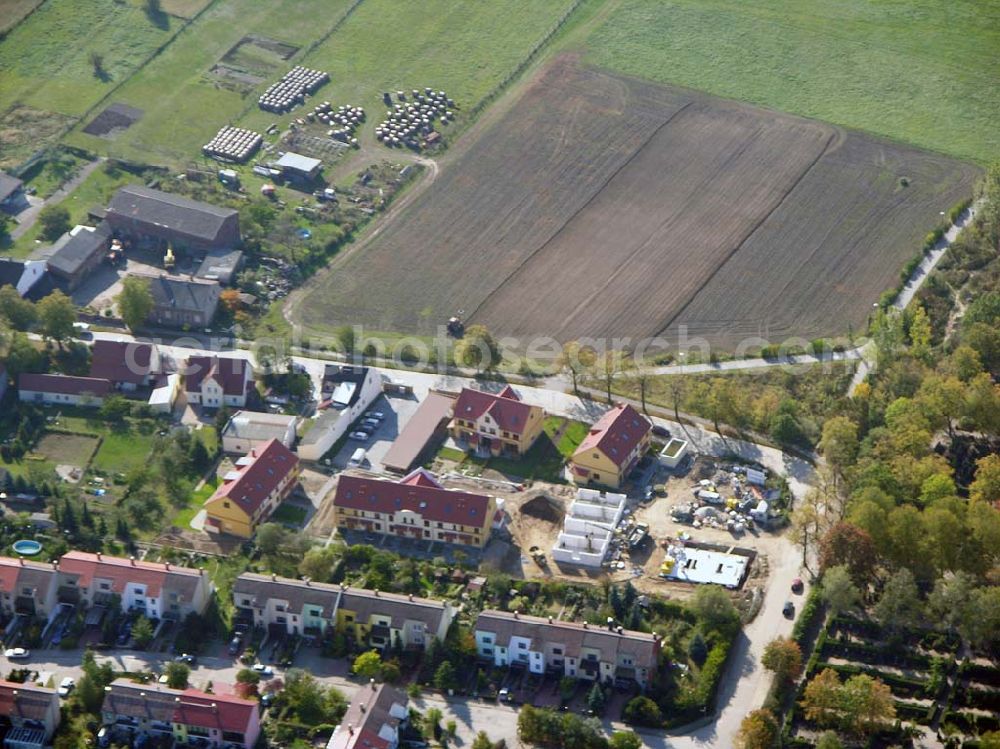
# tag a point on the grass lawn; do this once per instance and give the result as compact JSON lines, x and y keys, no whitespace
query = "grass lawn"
{"x":125,"y":449}
{"x":183,"y":517}
{"x":289,"y":514}
{"x":542,"y":462}
{"x":920,"y":71}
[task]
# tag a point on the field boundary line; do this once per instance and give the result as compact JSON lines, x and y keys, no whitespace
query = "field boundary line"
{"x":187,"y":22}
{"x":598,"y":190}
{"x":836,"y":135}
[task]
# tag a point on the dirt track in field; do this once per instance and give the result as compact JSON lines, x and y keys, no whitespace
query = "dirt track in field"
{"x":605,"y":206}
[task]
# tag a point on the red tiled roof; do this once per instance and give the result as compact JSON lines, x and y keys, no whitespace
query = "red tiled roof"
{"x":121,"y":361}
{"x":420,"y":477}
{"x":505,"y":407}
{"x":616,"y":434}
{"x":229,"y":372}
{"x":431,"y":502}
{"x":223,"y":711}
{"x":154,"y":575}
{"x":63,"y":384}
{"x":259,"y":478}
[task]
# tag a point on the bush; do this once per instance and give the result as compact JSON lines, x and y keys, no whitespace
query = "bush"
{"x":807,"y":619}
{"x":642,"y":711}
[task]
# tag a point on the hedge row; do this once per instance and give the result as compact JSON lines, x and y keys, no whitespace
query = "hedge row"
{"x":875,"y":654}
{"x":900,"y":685}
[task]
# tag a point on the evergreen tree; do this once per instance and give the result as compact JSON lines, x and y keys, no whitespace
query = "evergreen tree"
{"x":69,"y":522}
{"x":86,"y":518}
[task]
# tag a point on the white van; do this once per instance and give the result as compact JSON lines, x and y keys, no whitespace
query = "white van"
{"x":357,"y":459}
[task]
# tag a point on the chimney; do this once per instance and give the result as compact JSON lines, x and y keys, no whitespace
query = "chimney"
{"x":611,"y":624}
{"x":274,"y":578}
{"x":363,"y":709}
{"x":376,"y":592}
{"x":517,"y":614}
{"x":215,"y":708}
{"x":372,"y":682}
{"x":166,"y":565}
{"x":55,"y":564}
{"x":306,"y":580}
{"x":585,"y":625}
{"x":21,"y":560}
{"x":411,"y":596}
{"x":98,"y":556}
{"x":620,"y":630}
{"x":350,"y":729}
{"x":550,"y":620}
{"x":132,"y":560}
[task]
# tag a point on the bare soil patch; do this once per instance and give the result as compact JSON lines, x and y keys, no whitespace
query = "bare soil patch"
{"x":601,"y":205}
{"x":12,"y":12}
{"x":115,"y":119}
{"x":69,"y":449}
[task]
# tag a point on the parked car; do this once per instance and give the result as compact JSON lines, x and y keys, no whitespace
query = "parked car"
{"x":370,"y":424}
{"x":16,"y":654}
{"x":186,"y":658}
{"x":788,"y":610}
{"x":235,"y":645}
{"x":660,"y":431}
{"x":65,"y":687}
{"x":104,"y":737}
{"x":504,"y":695}
{"x":647,"y":494}
{"x":377,"y":415}
{"x":797,"y":586}
{"x":359,"y":436}
{"x":266,"y":672}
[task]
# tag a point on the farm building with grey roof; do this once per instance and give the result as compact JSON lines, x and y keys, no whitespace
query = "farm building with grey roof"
{"x":155,"y":217}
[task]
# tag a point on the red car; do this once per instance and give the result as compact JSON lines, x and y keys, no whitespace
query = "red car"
{"x":797,"y":585}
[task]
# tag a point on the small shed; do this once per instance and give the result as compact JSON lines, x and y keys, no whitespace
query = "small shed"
{"x":295,"y":166}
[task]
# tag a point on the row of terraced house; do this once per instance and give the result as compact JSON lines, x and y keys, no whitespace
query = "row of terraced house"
{"x":157,"y":589}
{"x":608,"y":654}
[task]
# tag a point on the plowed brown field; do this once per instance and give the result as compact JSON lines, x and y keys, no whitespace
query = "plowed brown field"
{"x":606,"y":206}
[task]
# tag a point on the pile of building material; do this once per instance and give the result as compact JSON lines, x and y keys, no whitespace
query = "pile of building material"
{"x":588,"y":528}
{"x":291,"y":90}
{"x":233,"y":144}
{"x":411,"y":122}
{"x":343,"y":121}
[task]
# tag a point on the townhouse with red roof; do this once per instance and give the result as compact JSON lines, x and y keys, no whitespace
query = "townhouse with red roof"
{"x":63,"y":390}
{"x":28,"y":587}
{"x":417,"y":506}
{"x":612,"y":447}
{"x":127,"y":365}
{"x":374,"y":719}
{"x":216,"y":381}
{"x":157,"y":589}
{"x":188,"y":715}
{"x":495,"y":424}
{"x":247,"y":496}
{"x":31,"y":714}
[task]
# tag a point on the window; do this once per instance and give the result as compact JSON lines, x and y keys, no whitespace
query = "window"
{"x":556,"y":651}
{"x":226,"y":505}
{"x":25,"y":591}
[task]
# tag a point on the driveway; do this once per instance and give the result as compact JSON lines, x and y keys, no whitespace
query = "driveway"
{"x":27,"y":218}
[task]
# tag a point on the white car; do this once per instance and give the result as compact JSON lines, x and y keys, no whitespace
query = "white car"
{"x":66,"y":686}
{"x":359,"y":435}
{"x":376,"y":415}
{"x":265,"y":671}
{"x":16,"y":654}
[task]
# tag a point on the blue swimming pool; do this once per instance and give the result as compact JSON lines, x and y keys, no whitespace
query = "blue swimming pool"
{"x":27,"y":547}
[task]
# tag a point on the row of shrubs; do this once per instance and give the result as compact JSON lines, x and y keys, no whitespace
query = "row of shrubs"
{"x":880,"y":655}
{"x":978,"y":672}
{"x":901,"y":686}
{"x":915,"y":713}
{"x":971,"y":722}
{"x":942,"y":642}
{"x":985,"y":699}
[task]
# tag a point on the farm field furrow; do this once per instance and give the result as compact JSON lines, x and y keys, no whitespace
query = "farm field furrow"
{"x":839,"y":252}
{"x":651,"y":219}
{"x":602,"y":206}
{"x":505,"y":198}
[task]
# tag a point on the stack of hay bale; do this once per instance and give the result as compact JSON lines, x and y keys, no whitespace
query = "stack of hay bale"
{"x":291,"y":90}
{"x":233,"y":144}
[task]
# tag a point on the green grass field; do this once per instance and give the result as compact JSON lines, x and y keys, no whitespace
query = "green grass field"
{"x":919,"y":71}
{"x":46,"y":59}
{"x":183,"y":103}
{"x":466,"y":48}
